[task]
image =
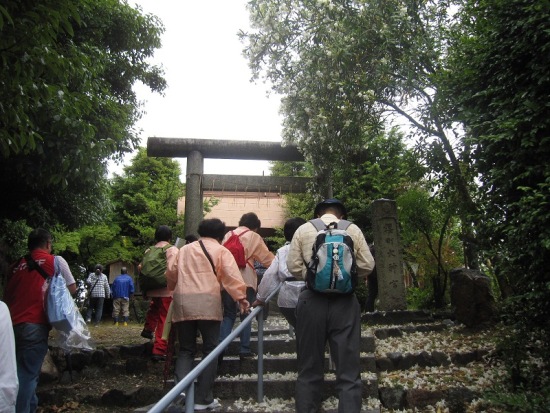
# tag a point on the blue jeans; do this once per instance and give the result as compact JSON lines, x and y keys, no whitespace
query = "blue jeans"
{"x":31,"y":346}
{"x":229,"y":316}
{"x":96,"y":303}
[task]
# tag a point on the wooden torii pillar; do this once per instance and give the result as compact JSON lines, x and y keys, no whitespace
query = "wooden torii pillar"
{"x":195,"y":150}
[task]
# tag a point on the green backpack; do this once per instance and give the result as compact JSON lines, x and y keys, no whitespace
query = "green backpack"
{"x":153,"y":269}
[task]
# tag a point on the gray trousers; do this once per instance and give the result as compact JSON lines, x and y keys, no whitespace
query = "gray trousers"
{"x":187,"y":335}
{"x":336,"y":320}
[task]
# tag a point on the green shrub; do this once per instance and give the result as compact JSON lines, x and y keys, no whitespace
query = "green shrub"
{"x":361,"y":293}
{"x":420,"y":298}
{"x":526,"y":351}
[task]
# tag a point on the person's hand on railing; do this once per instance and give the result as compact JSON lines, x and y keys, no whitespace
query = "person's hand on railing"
{"x":244,"y":306}
{"x":257,"y":303}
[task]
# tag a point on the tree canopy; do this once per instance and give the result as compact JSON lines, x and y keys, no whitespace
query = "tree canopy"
{"x":499,"y":81}
{"x":146,"y":196}
{"x":346,"y":69}
{"x":66,"y":102}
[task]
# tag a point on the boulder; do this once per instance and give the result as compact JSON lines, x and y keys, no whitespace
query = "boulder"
{"x":471,"y":297}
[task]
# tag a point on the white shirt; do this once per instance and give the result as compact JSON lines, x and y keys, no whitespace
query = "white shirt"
{"x":9,"y":384}
{"x":277,"y":273}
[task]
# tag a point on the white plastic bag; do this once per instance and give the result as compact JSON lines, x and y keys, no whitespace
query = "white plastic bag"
{"x":70,"y":330}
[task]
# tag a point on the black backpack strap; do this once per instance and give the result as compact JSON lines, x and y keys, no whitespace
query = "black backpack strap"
{"x":33,"y":266}
{"x":96,"y":281}
{"x":209,"y":257}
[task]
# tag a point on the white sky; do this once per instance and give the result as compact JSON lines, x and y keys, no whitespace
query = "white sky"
{"x":209,"y":93}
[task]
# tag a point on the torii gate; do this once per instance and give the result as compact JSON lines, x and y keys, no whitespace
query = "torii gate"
{"x":386,"y":230}
{"x":195,"y":150}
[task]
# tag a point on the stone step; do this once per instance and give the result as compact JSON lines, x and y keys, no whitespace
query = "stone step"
{"x":397,"y":317}
{"x":284,"y":344}
{"x":269,"y":405}
{"x":232,"y":365}
{"x":398,"y":331}
{"x":282,"y":386}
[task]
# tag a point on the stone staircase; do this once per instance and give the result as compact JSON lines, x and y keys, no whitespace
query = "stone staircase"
{"x":237,"y":380}
{"x":280,"y":367}
{"x":236,"y":385}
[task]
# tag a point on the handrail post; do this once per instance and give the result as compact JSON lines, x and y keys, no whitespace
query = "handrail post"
{"x":260,"y":319}
{"x":190,"y":398}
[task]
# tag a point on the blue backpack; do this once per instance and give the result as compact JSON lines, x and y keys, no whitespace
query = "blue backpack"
{"x":332,"y":269}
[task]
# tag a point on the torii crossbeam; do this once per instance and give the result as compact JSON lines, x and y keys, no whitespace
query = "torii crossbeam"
{"x":195,"y":150}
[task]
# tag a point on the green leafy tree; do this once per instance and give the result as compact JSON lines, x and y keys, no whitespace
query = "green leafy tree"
{"x":498,"y":81}
{"x":369,"y":180}
{"x":346,"y":68}
{"x":146,"y":196}
{"x":500,"y":95}
{"x":365,"y":181}
{"x":67,"y":106}
{"x":429,"y":231}
{"x":13,"y":244}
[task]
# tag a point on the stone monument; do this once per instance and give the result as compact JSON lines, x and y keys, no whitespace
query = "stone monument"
{"x":389,"y":259}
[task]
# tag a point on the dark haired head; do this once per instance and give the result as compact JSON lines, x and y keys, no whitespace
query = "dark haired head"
{"x":38,"y":238}
{"x":163,"y":233}
{"x":291,"y":225}
{"x":250,"y":220}
{"x":124,"y":270}
{"x":212,"y":228}
{"x":190,"y":238}
{"x":98,"y":267}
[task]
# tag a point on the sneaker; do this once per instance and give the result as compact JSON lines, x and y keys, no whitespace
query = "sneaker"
{"x":210,"y":406}
{"x":147,"y":334}
{"x":247,"y":356}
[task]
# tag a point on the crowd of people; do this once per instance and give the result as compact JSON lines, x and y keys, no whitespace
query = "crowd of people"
{"x":204,"y":290}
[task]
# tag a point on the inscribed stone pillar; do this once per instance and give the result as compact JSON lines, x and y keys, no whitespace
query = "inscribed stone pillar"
{"x":193,"y":192}
{"x":389,"y":260}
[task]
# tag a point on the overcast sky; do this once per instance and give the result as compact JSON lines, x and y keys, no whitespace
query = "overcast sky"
{"x":209,"y":93}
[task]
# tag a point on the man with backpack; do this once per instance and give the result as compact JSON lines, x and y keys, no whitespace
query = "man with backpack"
{"x":246,"y":245}
{"x":153,"y":284}
{"x":328,"y":309}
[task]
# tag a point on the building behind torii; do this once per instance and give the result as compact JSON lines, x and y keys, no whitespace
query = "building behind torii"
{"x":269,"y":206}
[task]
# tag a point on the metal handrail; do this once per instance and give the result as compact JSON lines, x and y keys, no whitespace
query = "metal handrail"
{"x":187,"y":384}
